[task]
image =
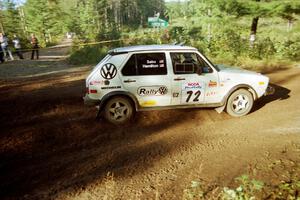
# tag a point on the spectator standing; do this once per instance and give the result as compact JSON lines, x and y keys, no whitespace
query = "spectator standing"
{"x":17,"y":45}
{"x":35,"y":46}
{"x":4,"y":46}
{"x":1,"y":56}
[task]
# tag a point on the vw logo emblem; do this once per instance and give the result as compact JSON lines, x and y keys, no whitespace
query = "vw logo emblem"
{"x":108,"y":71}
{"x":163,"y":90}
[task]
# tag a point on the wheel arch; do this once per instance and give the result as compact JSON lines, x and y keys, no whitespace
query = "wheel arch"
{"x":237,"y":87}
{"x":110,"y":95}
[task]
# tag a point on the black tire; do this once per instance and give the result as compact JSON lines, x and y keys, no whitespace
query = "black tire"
{"x":118,"y":110}
{"x":239,"y":103}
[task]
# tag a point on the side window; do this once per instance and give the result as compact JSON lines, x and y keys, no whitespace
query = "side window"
{"x":145,"y":64}
{"x":205,"y":67}
{"x":130,"y":67}
{"x":184,"y":63}
{"x":188,"y":63}
{"x":151,"y":64}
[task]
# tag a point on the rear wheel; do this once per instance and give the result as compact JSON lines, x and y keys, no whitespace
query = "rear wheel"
{"x":239,"y":103}
{"x":118,"y":110}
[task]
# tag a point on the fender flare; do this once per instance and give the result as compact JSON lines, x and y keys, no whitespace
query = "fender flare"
{"x":240,"y":86}
{"x":119,"y":93}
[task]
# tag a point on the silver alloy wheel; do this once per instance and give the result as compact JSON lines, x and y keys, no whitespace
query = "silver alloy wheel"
{"x":118,"y":110}
{"x":240,"y":103}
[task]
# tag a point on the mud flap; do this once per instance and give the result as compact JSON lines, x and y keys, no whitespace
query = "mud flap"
{"x":98,"y":116}
{"x":220,"y":109}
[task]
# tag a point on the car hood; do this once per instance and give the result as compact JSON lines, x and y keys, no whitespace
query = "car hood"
{"x":235,"y":70}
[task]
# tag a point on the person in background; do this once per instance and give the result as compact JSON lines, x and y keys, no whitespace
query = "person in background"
{"x":1,"y":56}
{"x":17,"y":45}
{"x":4,"y":46}
{"x":35,"y":46}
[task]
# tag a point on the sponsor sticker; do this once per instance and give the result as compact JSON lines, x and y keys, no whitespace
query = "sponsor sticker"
{"x":97,"y":82}
{"x":152,"y":91}
{"x":192,"y":85}
{"x":209,"y":94}
{"x":192,"y":92}
{"x":148,"y":103}
{"x":212,"y":84}
{"x":175,"y":94}
{"x":111,"y":87}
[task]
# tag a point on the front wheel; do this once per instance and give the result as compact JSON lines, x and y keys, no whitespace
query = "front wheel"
{"x":239,"y":103}
{"x":118,"y":110}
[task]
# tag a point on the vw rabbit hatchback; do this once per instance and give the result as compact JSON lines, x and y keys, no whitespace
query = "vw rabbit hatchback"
{"x":154,"y":77}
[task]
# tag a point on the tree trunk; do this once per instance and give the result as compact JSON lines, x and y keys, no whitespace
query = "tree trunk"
{"x":289,"y":25}
{"x":209,"y":35}
{"x":254,"y":29}
{"x":1,"y":28}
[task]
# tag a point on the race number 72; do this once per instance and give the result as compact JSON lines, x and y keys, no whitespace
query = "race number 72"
{"x":191,"y":94}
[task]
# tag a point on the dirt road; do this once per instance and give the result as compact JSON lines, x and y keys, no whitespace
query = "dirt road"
{"x":51,"y":146}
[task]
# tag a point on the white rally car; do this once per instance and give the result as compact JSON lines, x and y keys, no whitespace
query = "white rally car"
{"x":139,"y":78}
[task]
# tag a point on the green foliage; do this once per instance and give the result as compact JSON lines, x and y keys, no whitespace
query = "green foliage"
{"x":94,"y":20}
{"x":44,"y":18}
{"x":194,"y":191}
{"x":220,"y":29}
{"x":289,"y":49}
{"x":91,"y":54}
{"x":10,"y":19}
{"x":262,"y":48}
{"x":247,"y":189}
{"x":88,"y":54}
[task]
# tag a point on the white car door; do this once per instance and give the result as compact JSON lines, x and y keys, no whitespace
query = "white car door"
{"x":189,"y":84}
{"x":146,"y":76}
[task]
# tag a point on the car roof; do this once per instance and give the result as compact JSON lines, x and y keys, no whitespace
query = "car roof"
{"x":149,"y":48}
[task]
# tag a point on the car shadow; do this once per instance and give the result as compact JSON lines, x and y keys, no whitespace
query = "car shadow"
{"x":50,"y":143}
{"x":281,"y":93}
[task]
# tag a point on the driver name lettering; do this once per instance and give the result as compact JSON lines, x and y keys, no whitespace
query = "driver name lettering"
{"x":153,"y":64}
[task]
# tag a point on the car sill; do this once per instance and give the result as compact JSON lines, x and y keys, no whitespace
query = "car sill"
{"x":181,"y":107}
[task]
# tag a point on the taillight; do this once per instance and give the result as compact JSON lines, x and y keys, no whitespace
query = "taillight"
{"x":93,"y":91}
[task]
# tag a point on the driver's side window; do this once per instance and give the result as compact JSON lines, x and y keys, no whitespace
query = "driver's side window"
{"x":188,"y":63}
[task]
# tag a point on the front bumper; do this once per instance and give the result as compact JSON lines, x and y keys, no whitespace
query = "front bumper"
{"x":270,"y":90}
{"x":90,"y":102}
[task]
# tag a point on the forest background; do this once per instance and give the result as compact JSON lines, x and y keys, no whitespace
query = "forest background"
{"x":256,"y":34}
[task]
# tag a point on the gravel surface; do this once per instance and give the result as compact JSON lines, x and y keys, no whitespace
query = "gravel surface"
{"x":52,"y":147}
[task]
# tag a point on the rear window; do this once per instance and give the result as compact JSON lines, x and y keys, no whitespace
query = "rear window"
{"x":146,"y":64}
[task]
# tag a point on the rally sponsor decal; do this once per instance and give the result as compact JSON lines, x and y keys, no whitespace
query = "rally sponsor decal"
{"x":148,"y":103}
{"x":111,"y":87}
{"x":108,"y":71}
{"x":192,"y":92}
{"x":212,"y":84}
{"x":175,"y":94}
{"x":152,"y":91}
{"x":97,"y":83}
{"x":212,"y":93}
{"x":192,"y":85}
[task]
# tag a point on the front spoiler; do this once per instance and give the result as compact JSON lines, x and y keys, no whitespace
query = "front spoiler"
{"x":270,"y":90}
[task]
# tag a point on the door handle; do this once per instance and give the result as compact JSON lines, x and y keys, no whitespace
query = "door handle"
{"x":179,"y":79}
{"x":129,"y":81}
